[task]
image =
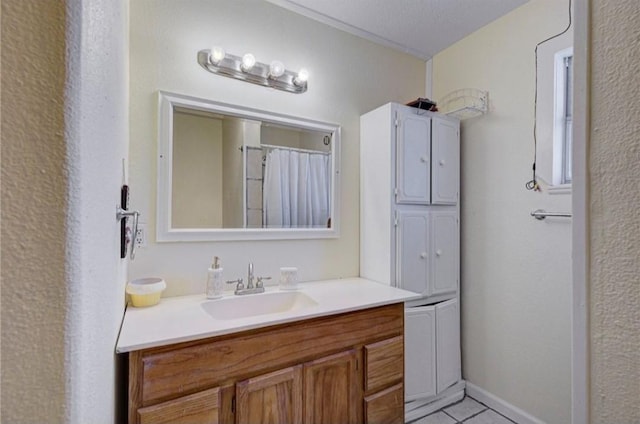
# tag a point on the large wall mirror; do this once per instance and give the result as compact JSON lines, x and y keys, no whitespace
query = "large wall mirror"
{"x":227,"y":172}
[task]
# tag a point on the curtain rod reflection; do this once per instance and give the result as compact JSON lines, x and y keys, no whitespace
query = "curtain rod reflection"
{"x":294,"y":149}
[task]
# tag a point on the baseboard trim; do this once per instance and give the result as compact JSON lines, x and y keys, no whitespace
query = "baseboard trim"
{"x":492,"y":401}
{"x":421,"y":408}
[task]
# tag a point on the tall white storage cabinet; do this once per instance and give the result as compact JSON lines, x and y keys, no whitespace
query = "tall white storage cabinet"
{"x":409,"y":238}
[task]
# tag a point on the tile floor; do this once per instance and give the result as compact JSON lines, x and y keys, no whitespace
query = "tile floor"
{"x":467,"y":411}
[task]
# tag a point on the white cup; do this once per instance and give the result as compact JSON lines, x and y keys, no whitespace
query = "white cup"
{"x":288,"y":278}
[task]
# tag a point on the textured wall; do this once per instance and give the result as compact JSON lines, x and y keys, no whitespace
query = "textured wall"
{"x":348,"y":76}
{"x":614,"y":167}
{"x":97,"y":143}
{"x":34,"y":206}
{"x":64,"y":138}
{"x":516,"y":275}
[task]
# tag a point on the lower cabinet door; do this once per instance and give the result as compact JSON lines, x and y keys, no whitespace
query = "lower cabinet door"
{"x":199,"y":408}
{"x":332,"y":390}
{"x":385,"y":407}
{"x":448,"y":344}
{"x":420,"y":352}
{"x":274,"y":398}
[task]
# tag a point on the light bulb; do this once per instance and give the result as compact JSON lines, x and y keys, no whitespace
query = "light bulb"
{"x":276,"y":69}
{"x":248,"y":60}
{"x":303,"y":76}
{"x":216,"y":55}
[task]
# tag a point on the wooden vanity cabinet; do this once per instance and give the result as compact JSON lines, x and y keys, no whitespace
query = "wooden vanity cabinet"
{"x":341,"y":369}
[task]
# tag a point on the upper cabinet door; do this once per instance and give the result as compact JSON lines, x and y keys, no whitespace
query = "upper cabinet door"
{"x":445,"y":162}
{"x":444,"y":250}
{"x":413,"y":173}
{"x":412,"y":255}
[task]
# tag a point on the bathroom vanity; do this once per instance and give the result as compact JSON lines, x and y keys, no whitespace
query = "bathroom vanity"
{"x":338,"y":358}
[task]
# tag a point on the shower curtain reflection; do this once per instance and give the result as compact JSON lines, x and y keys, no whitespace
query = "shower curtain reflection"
{"x":296,"y":189}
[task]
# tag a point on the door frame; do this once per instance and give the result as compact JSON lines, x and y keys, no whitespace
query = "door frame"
{"x":580,"y":224}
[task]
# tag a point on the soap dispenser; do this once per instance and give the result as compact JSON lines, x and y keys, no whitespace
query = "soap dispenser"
{"x":215,"y":284}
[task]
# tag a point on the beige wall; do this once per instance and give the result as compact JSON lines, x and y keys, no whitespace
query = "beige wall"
{"x":516,"y":275}
{"x":34,"y":208}
{"x":236,"y":133}
{"x":196,"y":190}
{"x":348,"y":76}
{"x":32,"y":328}
{"x":614,"y":171}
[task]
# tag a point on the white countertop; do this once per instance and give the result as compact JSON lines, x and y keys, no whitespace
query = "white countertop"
{"x":181,"y":319}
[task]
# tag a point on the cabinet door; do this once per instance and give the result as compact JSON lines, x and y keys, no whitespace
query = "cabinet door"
{"x":445,"y":146}
{"x":274,"y":398}
{"x":332,"y":390}
{"x":413,"y":164}
{"x":448,"y":344}
{"x":412,"y":256}
{"x":199,"y":408}
{"x":444,"y":251}
{"x":420,"y":352}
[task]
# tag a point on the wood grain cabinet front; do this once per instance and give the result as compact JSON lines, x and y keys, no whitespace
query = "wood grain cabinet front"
{"x":271,"y":398}
{"x":199,"y":408}
{"x":331,"y":389}
{"x":339,"y":369}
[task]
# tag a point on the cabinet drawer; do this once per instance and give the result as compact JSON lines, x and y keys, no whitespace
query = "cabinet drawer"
{"x":384,"y":362}
{"x":385,"y":407}
{"x":203,"y":407}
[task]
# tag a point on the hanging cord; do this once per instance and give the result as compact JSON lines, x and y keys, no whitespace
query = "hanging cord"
{"x":533,"y":183}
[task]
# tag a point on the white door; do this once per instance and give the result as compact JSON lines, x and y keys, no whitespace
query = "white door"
{"x":445,"y":147}
{"x":419,"y":353}
{"x":413,"y":164}
{"x":444,"y":251}
{"x":412,"y":256}
{"x":448,"y":367}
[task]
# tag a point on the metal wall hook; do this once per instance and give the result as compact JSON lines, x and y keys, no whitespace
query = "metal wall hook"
{"x":124,"y":214}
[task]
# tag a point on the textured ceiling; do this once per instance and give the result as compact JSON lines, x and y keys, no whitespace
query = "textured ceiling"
{"x":419,"y":27}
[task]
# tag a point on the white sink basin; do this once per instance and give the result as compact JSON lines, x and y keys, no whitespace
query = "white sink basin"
{"x":257,"y":304}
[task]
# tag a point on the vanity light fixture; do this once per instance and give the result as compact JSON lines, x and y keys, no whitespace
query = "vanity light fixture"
{"x":248,"y":61}
{"x":246,"y":68}
{"x":216,"y":55}
{"x":276,"y":69}
{"x":301,"y":78}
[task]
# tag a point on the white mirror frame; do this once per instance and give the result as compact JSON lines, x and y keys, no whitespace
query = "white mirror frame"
{"x":167,"y":103}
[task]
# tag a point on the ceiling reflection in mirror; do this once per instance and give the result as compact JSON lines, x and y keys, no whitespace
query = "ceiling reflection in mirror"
{"x":227,"y":171}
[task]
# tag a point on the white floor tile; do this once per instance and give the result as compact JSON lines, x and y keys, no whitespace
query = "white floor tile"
{"x":489,"y":417}
{"x":436,"y":418}
{"x":463,"y":410}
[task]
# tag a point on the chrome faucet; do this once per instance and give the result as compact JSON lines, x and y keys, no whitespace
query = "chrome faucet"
{"x":250,"y":276}
{"x":250,"y":288}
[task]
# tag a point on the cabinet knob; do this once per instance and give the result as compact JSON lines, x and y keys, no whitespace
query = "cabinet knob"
{"x":438,"y":252}
{"x":423,"y":255}
{"x":424,"y":159}
{"x":441,"y":162}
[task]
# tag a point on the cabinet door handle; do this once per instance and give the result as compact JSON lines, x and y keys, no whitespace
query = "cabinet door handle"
{"x":438,"y":252}
{"x":423,"y":255}
{"x":441,"y":162}
{"x":424,"y":159}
